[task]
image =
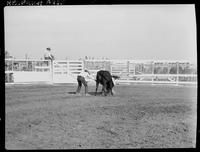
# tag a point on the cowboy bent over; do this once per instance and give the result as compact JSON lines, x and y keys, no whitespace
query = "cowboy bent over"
{"x":83,"y":78}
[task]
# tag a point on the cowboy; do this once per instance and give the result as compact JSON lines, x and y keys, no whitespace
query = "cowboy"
{"x":48,"y":55}
{"x":83,"y":78}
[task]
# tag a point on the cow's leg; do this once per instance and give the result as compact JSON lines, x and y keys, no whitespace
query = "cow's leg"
{"x":108,"y":87}
{"x":97,"y":85}
{"x":104,"y":88}
{"x":111,"y":91}
{"x":111,"y":87}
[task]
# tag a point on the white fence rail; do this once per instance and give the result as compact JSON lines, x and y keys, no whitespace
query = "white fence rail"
{"x":163,"y":71}
{"x":66,"y":71}
{"x":130,"y":71}
{"x":28,"y":71}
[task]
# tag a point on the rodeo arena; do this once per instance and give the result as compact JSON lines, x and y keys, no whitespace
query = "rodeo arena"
{"x":153,"y":104}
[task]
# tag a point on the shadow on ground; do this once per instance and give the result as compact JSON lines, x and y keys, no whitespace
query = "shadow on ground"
{"x":91,"y":93}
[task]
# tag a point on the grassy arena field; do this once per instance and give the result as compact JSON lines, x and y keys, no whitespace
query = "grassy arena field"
{"x":138,"y":116}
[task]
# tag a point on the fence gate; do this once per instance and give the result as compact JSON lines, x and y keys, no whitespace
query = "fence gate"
{"x":65,"y":71}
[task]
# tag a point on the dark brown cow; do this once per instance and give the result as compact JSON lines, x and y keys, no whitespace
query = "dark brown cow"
{"x":105,"y":79}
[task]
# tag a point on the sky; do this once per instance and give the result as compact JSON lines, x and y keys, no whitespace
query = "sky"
{"x":146,"y":32}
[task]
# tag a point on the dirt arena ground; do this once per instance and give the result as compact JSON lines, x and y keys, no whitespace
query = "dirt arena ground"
{"x":138,"y":116}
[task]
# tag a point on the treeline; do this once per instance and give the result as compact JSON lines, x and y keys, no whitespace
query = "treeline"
{"x":53,"y":2}
{"x":61,"y":2}
{"x":34,"y":2}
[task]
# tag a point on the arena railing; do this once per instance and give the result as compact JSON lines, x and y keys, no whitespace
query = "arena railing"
{"x":137,"y":71}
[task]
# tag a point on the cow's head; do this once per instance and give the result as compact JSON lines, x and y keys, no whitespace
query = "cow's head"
{"x":115,"y":77}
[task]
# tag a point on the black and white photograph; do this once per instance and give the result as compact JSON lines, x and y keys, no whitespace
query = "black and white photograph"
{"x":100,"y":76}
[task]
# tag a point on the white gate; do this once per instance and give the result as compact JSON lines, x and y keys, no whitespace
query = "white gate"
{"x":66,"y":71}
